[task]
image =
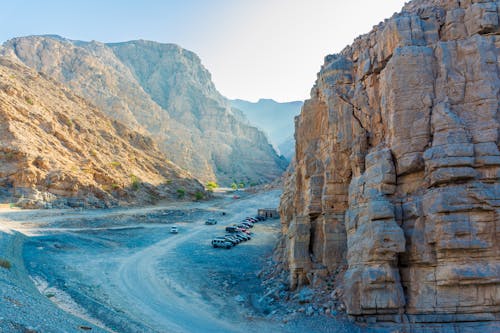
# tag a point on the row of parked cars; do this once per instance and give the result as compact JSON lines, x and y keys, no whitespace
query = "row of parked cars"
{"x":236,"y":233}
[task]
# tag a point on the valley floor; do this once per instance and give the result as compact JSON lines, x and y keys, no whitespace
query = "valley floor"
{"x":120,"y":270}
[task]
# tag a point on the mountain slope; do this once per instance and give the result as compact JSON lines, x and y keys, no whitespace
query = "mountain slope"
{"x":275,"y":119}
{"x":54,"y":145}
{"x":162,"y":90}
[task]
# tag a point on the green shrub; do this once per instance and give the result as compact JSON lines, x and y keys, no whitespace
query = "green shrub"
{"x":241,"y":185}
{"x":234,"y":186}
{"x":211,"y":186}
{"x":5,"y":264}
{"x":135,"y":182}
{"x":29,"y":100}
{"x":198,"y":195}
{"x":181,"y":193}
{"x":115,"y":164}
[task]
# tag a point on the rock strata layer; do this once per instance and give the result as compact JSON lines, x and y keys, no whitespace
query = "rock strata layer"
{"x":56,"y":149}
{"x":396,"y":182}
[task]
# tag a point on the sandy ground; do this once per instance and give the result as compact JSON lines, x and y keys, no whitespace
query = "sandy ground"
{"x":122,"y":270}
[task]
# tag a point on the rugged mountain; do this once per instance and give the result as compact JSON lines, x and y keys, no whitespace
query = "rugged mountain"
{"x":395,"y":195}
{"x":56,"y":149}
{"x":275,"y":119}
{"x":162,"y":90}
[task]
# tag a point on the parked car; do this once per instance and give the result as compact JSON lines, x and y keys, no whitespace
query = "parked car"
{"x":222,"y":243}
{"x":260,"y":218}
{"x":243,"y":230}
{"x":247,"y":224}
{"x":242,"y":226}
{"x":251,"y":219}
{"x":229,"y":239}
{"x":243,"y":236}
{"x":174,"y":230}
{"x":232,"y":238}
{"x":211,"y":221}
{"x":231,"y":229}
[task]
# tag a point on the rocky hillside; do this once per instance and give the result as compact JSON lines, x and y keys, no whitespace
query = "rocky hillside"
{"x":395,"y":195}
{"x":56,"y":149}
{"x":161,"y":90}
{"x":275,"y":119}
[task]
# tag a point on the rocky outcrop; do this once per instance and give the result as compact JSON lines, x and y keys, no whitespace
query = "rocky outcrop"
{"x":163,"y":91}
{"x":397,"y":169}
{"x":56,"y":149}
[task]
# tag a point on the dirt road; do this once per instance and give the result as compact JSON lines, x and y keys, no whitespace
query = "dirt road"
{"x":122,"y":270}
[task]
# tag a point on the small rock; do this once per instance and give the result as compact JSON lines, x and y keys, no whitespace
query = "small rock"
{"x":309,"y":310}
{"x":305,"y":295}
{"x":239,"y":299}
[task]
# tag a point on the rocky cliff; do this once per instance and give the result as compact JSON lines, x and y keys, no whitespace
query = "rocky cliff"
{"x":396,"y":191}
{"x":56,"y":149}
{"x":161,"y":90}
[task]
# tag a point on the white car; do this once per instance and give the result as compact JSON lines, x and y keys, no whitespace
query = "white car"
{"x":174,"y":230}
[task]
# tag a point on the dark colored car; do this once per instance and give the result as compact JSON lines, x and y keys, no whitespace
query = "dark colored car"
{"x":231,"y":229}
{"x":247,"y":224}
{"x":244,"y":236}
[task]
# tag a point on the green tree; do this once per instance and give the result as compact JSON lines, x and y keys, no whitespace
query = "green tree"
{"x":211,"y":186}
{"x":181,"y":193}
{"x":198,"y":195}
{"x":234,"y":186}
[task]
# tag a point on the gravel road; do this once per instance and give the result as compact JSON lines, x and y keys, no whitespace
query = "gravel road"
{"x":121,"y":269}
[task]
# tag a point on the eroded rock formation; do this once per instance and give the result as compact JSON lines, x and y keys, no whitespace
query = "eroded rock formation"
{"x":56,"y":149}
{"x":397,"y":168}
{"x":161,"y":90}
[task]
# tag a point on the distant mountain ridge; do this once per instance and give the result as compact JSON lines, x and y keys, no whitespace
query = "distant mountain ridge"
{"x":160,"y":90}
{"x":275,"y":119}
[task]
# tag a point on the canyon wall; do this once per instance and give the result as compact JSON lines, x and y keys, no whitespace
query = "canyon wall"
{"x":395,"y":190}
{"x":58,"y":150}
{"x":163,"y":91}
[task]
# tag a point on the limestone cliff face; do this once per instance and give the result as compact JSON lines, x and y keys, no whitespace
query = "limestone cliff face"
{"x":161,"y":90}
{"x":397,"y":168}
{"x":56,"y":149}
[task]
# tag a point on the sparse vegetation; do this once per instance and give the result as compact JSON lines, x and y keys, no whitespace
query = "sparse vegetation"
{"x":115,"y":186}
{"x":5,"y":264}
{"x":115,"y":164}
{"x":9,"y":155}
{"x":29,"y":100}
{"x":93,"y":152}
{"x":198,"y":195}
{"x":181,"y":193}
{"x":135,"y":182}
{"x":211,"y":186}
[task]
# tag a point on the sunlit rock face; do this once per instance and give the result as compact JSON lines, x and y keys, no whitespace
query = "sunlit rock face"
{"x":58,"y":150}
{"x":397,"y":167}
{"x":164,"y":91}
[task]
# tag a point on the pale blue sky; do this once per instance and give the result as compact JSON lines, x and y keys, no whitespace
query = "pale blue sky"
{"x":253,"y":48}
